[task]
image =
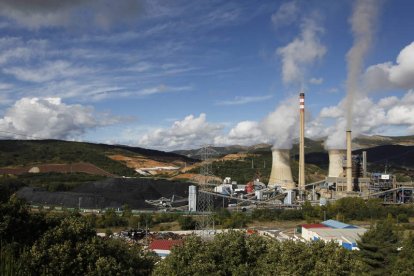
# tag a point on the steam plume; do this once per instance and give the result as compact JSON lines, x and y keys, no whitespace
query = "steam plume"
{"x":362,"y":22}
{"x":281,"y":125}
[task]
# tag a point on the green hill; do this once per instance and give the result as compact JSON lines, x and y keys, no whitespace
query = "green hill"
{"x":17,"y":153}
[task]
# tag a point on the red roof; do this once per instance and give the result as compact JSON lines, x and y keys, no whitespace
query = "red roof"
{"x":163,"y":244}
{"x":314,"y":225}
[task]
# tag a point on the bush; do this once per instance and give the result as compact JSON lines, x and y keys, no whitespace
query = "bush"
{"x":402,"y":218}
{"x":187,"y":223}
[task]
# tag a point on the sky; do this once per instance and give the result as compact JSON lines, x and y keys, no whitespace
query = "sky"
{"x":180,"y":74}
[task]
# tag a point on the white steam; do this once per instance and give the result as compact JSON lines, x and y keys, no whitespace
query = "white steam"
{"x":362,"y":22}
{"x":281,"y":126}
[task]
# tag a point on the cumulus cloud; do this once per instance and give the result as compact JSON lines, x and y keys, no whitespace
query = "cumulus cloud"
{"x":389,"y":75}
{"x":191,"y":132}
{"x":245,"y":133}
{"x":286,"y":14}
{"x":49,"y":118}
{"x":369,"y":117}
{"x":281,"y":125}
{"x":52,"y":13}
{"x":302,"y":51}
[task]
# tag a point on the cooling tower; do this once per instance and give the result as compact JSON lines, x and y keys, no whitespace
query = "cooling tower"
{"x":281,"y":174}
{"x":336,"y":158}
{"x":349,"y":186}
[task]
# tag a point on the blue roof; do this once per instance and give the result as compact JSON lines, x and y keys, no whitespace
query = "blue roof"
{"x":337,"y":224}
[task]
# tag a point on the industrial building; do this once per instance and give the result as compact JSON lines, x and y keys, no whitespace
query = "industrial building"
{"x":163,"y":247}
{"x":344,"y":234}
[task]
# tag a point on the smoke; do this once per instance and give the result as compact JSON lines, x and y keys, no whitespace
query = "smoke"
{"x":362,"y":22}
{"x":282,"y":125}
{"x":63,"y":13}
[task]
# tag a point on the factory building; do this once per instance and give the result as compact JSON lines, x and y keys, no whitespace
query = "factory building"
{"x":344,"y":234}
{"x":163,"y":247}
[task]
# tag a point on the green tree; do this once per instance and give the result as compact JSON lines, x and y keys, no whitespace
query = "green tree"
{"x":187,"y":223}
{"x":378,"y":247}
{"x":73,"y":248}
{"x":404,"y":264}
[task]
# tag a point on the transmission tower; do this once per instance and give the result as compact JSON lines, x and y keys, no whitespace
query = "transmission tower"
{"x":205,"y":200}
{"x":206,"y":180}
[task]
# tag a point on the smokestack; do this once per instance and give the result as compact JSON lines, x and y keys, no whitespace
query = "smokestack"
{"x":348,"y":162}
{"x":281,"y":174}
{"x":301,"y":182}
{"x":364,"y":163}
{"x":336,"y":165}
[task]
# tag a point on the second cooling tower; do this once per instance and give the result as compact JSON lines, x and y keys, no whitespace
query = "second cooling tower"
{"x":336,"y":162}
{"x":281,"y":174}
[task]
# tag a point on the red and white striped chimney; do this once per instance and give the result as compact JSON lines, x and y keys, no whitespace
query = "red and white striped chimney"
{"x":301,"y":184}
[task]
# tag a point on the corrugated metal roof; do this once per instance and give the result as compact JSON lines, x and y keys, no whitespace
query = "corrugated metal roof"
{"x":314,"y":225}
{"x":350,"y":235}
{"x":337,"y":224}
{"x":163,"y":244}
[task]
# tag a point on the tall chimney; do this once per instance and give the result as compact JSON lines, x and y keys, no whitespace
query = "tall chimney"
{"x":336,"y":162}
{"x":301,"y":182}
{"x":281,"y":174}
{"x":348,"y":161}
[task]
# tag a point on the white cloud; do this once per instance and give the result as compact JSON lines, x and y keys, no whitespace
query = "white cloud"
{"x":239,"y":100}
{"x":52,"y":13}
{"x":54,"y":70}
{"x":286,"y":14}
{"x":191,"y":132}
{"x":316,"y":81}
{"x":301,"y":52}
{"x":50,"y":118}
{"x":389,"y":76}
{"x":369,"y":118}
{"x":162,"y":89}
{"x":244,"y":133}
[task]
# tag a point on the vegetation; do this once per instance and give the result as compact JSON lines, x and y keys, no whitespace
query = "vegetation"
{"x":66,"y":244}
{"x":52,"y":182}
{"x":234,"y":253}
{"x":30,"y":152}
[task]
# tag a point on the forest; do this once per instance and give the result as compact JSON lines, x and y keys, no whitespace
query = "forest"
{"x":65,"y":243}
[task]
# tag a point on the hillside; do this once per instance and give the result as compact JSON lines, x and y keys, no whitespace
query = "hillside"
{"x":23,"y":153}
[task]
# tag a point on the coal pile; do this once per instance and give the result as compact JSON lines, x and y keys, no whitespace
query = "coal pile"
{"x":109,"y":193}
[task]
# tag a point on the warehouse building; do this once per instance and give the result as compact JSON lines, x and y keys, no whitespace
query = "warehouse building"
{"x":344,"y":234}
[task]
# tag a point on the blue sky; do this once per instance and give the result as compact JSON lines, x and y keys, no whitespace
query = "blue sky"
{"x":179,"y":74}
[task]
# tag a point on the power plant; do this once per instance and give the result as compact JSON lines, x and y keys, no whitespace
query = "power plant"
{"x":347,"y":177}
